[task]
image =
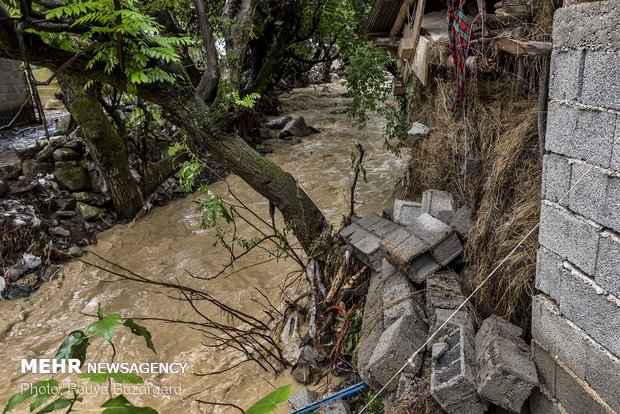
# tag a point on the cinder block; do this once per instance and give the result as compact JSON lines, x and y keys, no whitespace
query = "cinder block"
{"x":367,"y":250}
{"x":556,"y":177}
{"x":506,"y":372}
{"x":545,"y":367}
{"x":337,"y":406}
{"x":368,"y":220}
{"x":438,"y":204}
{"x":612,"y":201}
{"x":608,"y":264}
{"x":405,"y":212}
{"x":591,"y":308}
{"x":588,"y":191}
{"x":575,"y":394}
{"x":443,"y":291}
{"x":600,"y":79}
{"x":615,"y":157}
{"x":591,"y":26}
{"x":372,"y":322}
{"x":548,"y":273}
{"x":561,"y":124}
{"x":462,"y":222}
{"x":566,"y":73}
{"x":401,"y":298}
{"x":395,"y":346}
{"x":541,"y":403}
{"x":453,"y":376}
{"x":302,"y":399}
{"x":560,"y":337}
{"x":602,"y":370}
{"x":569,"y":236}
{"x":383,"y":227}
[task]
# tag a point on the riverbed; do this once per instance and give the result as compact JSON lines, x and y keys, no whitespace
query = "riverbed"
{"x":168,"y":245}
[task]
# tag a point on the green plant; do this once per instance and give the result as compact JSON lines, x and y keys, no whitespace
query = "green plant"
{"x":269,"y":403}
{"x":75,"y":346}
{"x":376,"y":403}
{"x":248,"y":101}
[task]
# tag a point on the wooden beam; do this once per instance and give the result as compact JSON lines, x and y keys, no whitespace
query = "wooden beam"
{"x":401,"y":17}
{"x":417,"y":23}
{"x":523,"y":47}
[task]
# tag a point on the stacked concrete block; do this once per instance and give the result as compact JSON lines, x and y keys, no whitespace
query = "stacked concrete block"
{"x":453,"y":379}
{"x":576,"y":314}
{"x":422,"y":248}
{"x":405,"y":212}
{"x":364,"y":236}
{"x":438,"y":204}
{"x":506,"y":372}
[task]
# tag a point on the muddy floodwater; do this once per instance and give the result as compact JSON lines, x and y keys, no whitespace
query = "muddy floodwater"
{"x":168,"y":243}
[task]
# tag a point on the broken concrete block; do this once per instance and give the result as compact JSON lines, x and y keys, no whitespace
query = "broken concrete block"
{"x":372,"y":321}
{"x":453,"y":378}
{"x":438,"y":204}
{"x":401,"y":298}
{"x":445,"y":245}
{"x":506,"y":371}
{"x":462,"y":222}
{"x":443,"y":290}
{"x":335,"y":407}
{"x":302,"y":399}
{"x":395,"y":346}
{"x":405,"y":212}
{"x":438,"y":349}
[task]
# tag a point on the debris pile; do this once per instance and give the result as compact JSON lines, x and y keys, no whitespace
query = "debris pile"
{"x":415,"y":291}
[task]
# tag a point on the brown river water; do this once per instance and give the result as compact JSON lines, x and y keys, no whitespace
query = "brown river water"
{"x":168,"y":243}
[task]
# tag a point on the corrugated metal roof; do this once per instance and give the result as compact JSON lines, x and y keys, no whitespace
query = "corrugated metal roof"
{"x":381,"y":18}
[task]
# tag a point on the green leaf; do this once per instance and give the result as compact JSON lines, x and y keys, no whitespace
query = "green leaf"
{"x":101,"y":377}
{"x":19,"y":398}
{"x":140,"y":330}
{"x":73,"y":347}
{"x":105,"y":327}
{"x":270,"y":402}
{"x":58,"y":404}
{"x":120,"y":405}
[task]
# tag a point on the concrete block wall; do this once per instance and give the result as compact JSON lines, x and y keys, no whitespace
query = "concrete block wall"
{"x":13,"y":92}
{"x":576,"y":312}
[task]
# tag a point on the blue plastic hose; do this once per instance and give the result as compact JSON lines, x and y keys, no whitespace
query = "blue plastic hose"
{"x":360,"y":386}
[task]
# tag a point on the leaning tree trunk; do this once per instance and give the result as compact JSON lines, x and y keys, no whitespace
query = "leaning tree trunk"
{"x":105,"y":145}
{"x":209,"y":128}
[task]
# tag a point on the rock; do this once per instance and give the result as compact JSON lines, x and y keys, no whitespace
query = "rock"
{"x":30,"y":261}
{"x":295,"y":140}
{"x":75,"y":145}
{"x":61,"y":164}
{"x":438,"y":204}
{"x":88,"y":212}
{"x":453,"y":378}
{"x":438,"y":349}
{"x":59,"y":231}
{"x":54,"y":141}
{"x":388,"y":213}
{"x":2,"y":284}
{"x":279,"y":123}
{"x":50,"y":273}
{"x":506,"y":371}
{"x":62,"y":124}
{"x":418,"y":131}
{"x":90,"y":198}
{"x":297,"y":127}
{"x":395,"y":346}
{"x":462,"y":222}
{"x":334,"y":407}
{"x":63,"y":203}
{"x":4,"y":188}
{"x":46,"y":153}
{"x":9,"y":164}
{"x":302,"y":399}
{"x":66,"y":154}
{"x":17,"y":292}
{"x":73,"y":178}
{"x":75,"y":251}
{"x":28,"y":281}
{"x":17,"y":272}
{"x":405,"y":212}
{"x":32,"y":168}
{"x":263,"y":149}
{"x":26,"y":150}
{"x":264,"y":134}
{"x":65,"y":213}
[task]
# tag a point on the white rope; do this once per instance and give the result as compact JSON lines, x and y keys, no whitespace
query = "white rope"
{"x":430,"y":338}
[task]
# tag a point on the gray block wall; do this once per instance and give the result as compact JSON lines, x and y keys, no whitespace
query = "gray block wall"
{"x":576,"y":312}
{"x":13,"y":93}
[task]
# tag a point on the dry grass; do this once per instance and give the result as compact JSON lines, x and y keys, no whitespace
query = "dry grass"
{"x":496,"y":138}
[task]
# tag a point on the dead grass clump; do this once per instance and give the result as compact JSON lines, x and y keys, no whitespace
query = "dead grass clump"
{"x":488,"y":157}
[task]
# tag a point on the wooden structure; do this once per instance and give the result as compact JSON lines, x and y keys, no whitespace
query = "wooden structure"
{"x":416,"y":33}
